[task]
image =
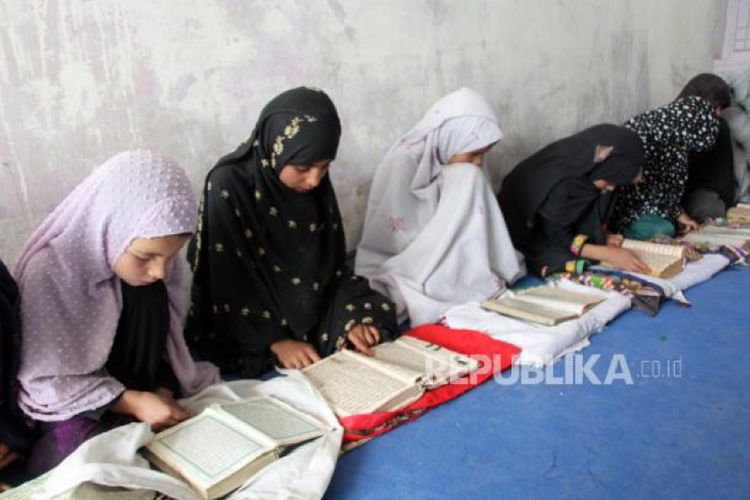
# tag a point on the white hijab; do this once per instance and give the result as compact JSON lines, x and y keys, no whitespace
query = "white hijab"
{"x":433,"y":236}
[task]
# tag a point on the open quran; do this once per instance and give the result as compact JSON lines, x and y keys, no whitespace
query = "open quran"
{"x":546,"y":305}
{"x":739,"y":214}
{"x":664,"y":261}
{"x":716,"y":235}
{"x":398,"y":374}
{"x":219,"y":449}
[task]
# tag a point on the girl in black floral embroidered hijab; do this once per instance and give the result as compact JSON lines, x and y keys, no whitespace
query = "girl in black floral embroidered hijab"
{"x":269,"y":255}
{"x":669,"y":134}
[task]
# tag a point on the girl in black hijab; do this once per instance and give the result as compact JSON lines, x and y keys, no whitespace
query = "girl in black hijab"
{"x":557,"y":201}
{"x":711,"y":185}
{"x":270,"y":278}
{"x":16,"y":437}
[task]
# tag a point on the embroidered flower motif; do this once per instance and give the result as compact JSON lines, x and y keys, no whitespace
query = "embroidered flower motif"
{"x":284,"y":322}
{"x":296,"y":281}
{"x":338,"y":273}
{"x":256,"y":143}
{"x":367,"y":306}
{"x":385,"y":307}
{"x":257,"y":194}
{"x":397,"y":224}
{"x":245,"y":311}
{"x":219,"y":247}
{"x":324,"y":337}
{"x":237,"y":213}
{"x":349,"y":325}
{"x":227,"y":308}
{"x":313,"y":226}
{"x":273,"y":211}
{"x":293,"y":128}
{"x":266,"y":314}
{"x":278,"y":145}
{"x":367,"y":320}
{"x":216,"y":309}
{"x":239,"y":253}
{"x":248,"y":233}
{"x":264,"y":162}
{"x":261,"y":251}
{"x":209,"y":186}
{"x":335,"y":226}
{"x":224,"y":194}
{"x":316,"y":286}
{"x":349,"y":307}
{"x":276,"y":268}
{"x":292,"y":224}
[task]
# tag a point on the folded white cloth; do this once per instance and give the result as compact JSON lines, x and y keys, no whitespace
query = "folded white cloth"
{"x":110,"y":459}
{"x":541,"y":345}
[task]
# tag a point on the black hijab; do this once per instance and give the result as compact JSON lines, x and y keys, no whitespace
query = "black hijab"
{"x":267,"y":260}
{"x":711,"y":87}
{"x":14,"y":432}
{"x":713,"y":170}
{"x":560,"y":178}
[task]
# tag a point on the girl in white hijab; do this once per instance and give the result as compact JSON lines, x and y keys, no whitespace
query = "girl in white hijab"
{"x":434,"y":236}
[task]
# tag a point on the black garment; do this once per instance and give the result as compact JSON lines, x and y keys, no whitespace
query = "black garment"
{"x":268,"y":261}
{"x":137,"y":358}
{"x":669,"y":134}
{"x":549,"y":198}
{"x":714,"y":170}
{"x":15,"y":430}
{"x":550,"y":248}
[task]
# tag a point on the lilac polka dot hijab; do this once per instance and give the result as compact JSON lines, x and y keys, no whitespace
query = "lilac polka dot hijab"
{"x":71,"y":299}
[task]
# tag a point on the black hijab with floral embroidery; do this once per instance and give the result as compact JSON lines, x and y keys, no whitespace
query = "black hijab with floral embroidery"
{"x":669,"y":134}
{"x":268,"y":261}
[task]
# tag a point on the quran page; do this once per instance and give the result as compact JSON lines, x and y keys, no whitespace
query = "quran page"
{"x":354,"y":387}
{"x":277,"y":420}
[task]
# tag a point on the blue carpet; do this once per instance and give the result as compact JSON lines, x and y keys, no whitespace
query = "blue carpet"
{"x":681,"y":429}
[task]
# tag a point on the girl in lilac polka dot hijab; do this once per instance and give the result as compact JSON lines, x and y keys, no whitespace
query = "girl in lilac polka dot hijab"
{"x":100,"y":307}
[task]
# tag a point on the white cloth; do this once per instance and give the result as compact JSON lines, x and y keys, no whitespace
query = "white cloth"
{"x":110,"y":459}
{"x":541,"y":345}
{"x":434,"y":236}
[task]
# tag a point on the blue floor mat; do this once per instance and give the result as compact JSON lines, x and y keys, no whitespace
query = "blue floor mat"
{"x":681,"y":429}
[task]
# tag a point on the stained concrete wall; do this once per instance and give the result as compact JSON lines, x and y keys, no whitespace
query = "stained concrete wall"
{"x":83,"y":79}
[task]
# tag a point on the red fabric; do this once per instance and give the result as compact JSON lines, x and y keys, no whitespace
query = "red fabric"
{"x":494,"y":356}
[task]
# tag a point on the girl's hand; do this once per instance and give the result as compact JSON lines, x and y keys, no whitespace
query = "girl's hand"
{"x":157,"y":411}
{"x":625,"y":259}
{"x":7,"y":456}
{"x":295,"y":354}
{"x":615,"y":240}
{"x":687,"y":223}
{"x":363,"y":337}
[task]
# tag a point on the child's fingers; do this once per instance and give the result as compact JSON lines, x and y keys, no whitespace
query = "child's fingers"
{"x":360,"y":345}
{"x":312,"y":354}
{"x":373,"y":336}
{"x":8,"y":459}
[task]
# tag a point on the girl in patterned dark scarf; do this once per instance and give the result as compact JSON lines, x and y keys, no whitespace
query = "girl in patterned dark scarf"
{"x":669,"y":134}
{"x":270,"y":281}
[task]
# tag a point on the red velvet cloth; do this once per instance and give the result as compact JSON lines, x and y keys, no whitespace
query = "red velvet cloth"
{"x":494,"y":356}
